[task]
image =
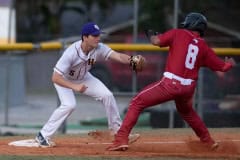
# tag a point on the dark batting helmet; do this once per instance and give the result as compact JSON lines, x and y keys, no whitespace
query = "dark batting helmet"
{"x":195,"y":22}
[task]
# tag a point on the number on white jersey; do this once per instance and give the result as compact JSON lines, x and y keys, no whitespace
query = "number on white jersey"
{"x":191,"y":56}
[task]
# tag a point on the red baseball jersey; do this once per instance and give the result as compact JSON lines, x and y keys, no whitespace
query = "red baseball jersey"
{"x":187,"y":53}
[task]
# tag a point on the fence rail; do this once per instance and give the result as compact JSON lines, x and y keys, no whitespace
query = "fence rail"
{"x":46,"y":46}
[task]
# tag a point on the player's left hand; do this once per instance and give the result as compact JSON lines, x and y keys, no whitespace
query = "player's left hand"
{"x":79,"y":87}
{"x":137,"y":62}
{"x":149,"y":33}
{"x":231,"y":61}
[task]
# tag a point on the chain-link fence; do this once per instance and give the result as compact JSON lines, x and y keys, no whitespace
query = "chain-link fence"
{"x":28,"y":96}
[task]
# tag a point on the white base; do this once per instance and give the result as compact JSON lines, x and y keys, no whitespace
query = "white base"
{"x":24,"y":143}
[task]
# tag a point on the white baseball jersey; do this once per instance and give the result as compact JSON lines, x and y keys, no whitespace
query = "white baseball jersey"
{"x":74,"y":64}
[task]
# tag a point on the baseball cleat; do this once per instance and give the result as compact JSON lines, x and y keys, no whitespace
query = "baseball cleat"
{"x":214,"y":146}
{"x":133,"y":138}
{"x":44,"y":142}
{"x":118,"y":147}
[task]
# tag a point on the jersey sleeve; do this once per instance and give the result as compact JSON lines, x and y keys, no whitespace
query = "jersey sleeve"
{"x":212,"y":61}
{"x":63,"y":64}
{"x":104,"y":51}
{"x":167,"y":38}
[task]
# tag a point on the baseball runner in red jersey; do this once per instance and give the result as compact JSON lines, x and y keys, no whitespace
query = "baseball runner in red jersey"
{"x":187,"y":53}
{"x":71,"y":74}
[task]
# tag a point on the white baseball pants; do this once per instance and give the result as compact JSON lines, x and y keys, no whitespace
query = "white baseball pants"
{"x":97,"y":90}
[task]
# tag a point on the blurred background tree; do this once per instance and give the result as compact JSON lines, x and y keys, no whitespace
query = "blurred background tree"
{"x":45,"y":20}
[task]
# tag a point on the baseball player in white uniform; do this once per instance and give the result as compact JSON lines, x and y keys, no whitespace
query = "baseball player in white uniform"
{"x":71,"y":74}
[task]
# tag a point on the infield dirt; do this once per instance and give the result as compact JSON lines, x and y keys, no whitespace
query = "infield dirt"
{"x":153,"y":143}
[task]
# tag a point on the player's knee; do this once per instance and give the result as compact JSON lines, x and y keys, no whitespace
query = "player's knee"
{"x":69,"y":106}
{"x":107,"y":95}
{"x":72,"y":107}
{"x":137,"y":102}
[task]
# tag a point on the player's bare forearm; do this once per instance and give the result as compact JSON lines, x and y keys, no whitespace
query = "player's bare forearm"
{"x":58,"y":79}
{"x":120,"y":57}
{"x":125,"y":58}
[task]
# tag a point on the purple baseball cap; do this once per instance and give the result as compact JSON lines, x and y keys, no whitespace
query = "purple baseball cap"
{"x":91,"y":29}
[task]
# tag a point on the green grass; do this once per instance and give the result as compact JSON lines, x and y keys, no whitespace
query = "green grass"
{"x":98,"y":123}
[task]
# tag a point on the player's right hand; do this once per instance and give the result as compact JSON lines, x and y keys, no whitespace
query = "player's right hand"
{"x":79,"y":88}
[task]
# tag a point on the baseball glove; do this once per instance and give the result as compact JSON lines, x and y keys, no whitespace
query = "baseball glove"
{"x":137,"y":63}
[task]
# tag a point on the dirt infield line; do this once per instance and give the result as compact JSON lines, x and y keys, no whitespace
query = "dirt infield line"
{"x":165,"y":142}
{"x":32,"y":141}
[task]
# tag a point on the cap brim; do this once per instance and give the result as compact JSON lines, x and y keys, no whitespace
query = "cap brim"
{"x":97,"y":33}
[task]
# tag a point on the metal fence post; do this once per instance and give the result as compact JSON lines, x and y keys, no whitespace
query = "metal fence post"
{"x":175,"y":22}
{"x":171,"y":117}
{"x":135,"y":36}
{"x":6,"y":108}
{"x":200,"y":93}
